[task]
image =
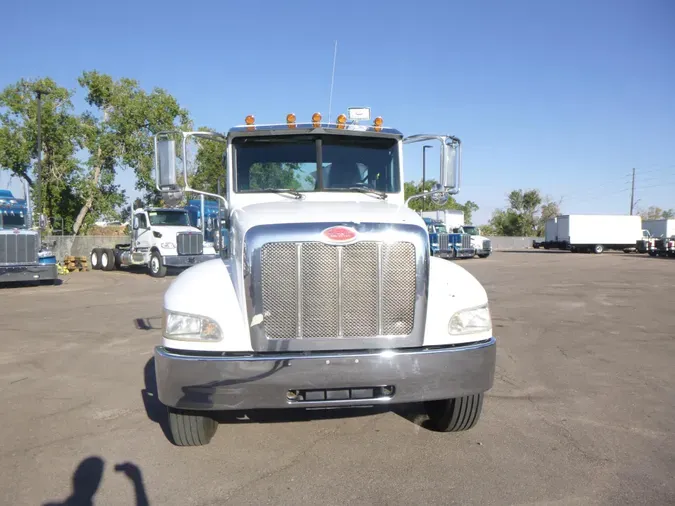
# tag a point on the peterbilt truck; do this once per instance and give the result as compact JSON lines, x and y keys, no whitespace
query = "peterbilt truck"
{"x":328,"y":295}
{"x":23,"y":256}
{"x":160,"y":238}
{"x":448,"y":245}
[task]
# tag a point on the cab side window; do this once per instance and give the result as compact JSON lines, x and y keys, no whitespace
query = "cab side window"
{"x":142,"y":221}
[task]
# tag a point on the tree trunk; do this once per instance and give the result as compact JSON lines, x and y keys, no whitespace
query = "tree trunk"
{"x":90,"y":200}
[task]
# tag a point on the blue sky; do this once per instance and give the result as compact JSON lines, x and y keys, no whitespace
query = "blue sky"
{"x":566,"y":97}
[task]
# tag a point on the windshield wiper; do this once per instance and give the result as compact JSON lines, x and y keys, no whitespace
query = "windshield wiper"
{"x":295,"y":193}
{"x":370,"y":191}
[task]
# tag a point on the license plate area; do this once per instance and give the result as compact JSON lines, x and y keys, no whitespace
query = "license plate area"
{"x":340,"y":395}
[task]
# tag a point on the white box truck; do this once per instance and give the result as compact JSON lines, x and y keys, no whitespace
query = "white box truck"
{"x":597,"y":233}
{"x":452,"y":218}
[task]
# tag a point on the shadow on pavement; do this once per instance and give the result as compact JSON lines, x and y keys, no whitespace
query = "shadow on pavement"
{"x":87,"y":478}
{"x":535,"y":251}
{"x":149,"y":323}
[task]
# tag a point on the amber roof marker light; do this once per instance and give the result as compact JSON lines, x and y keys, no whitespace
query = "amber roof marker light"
{"x":377,"y":123}
{"x":290,"y":120}
{"x":316,"y":119}
{"x":341,"y":120}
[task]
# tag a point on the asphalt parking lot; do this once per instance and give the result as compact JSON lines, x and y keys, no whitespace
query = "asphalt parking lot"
{"x":581,"y":412}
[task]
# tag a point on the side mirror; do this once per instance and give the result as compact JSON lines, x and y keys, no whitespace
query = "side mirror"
{"x":450,"y":166}
{"x":135,"y":223}
{"x":42,"y":222}
{"x":165,"y":159}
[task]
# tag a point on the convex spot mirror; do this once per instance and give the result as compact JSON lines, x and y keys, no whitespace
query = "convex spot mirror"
{"x":439,"y":195}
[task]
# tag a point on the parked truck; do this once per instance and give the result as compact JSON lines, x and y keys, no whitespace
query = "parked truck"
{"x":446,"y":244}
{"x":481,"y":244}
{"x":328,"y":296}
{"x":159,"y":238}
{"x":204,"y":214}
{"x":580,"y":233}
{"x":23,"y":255}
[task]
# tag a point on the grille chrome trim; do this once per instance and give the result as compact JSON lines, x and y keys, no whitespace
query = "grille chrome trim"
{"x":19,"y":249}
{"x":189,"y":243}
{"x":339,"y":335}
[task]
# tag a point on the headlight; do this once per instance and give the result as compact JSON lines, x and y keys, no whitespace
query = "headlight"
{"x":470,"y":321}
{"x":185,"y":327}
{"x":168,"y":245}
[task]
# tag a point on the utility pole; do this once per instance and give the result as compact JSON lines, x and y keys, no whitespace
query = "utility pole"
{"x":39,"y":94}
{"x":424,"y":172}
{"x":632,"y":194}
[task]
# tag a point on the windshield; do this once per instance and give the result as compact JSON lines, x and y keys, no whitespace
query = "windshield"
{"x":441,"y":229}
{"x":471,"y":230}
{"x":290,"y":162}
{"x":169,"y":218}
{"x":10,"y":220}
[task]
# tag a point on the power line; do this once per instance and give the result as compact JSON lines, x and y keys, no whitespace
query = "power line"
{"x":632,"y":193}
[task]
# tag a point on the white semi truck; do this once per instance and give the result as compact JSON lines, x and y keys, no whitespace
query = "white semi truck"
{"x":327,"y":296}
{"x":160,"y":238}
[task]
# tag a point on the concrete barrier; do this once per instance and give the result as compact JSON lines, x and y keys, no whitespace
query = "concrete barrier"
{"x":510,"y":243}
{"x":68,"y":245}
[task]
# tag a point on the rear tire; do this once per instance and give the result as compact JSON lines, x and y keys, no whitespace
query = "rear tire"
{"x":454,"y":415}
{"x":189,"y":428}
{"x":157,"y":267}
{"x":598,"y":249}
{"x":107,"y":259}
{"x":95,"y":259}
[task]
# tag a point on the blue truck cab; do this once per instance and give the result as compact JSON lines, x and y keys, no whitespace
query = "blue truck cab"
{"x":448,"y":245}
{"x":210,"y":223}
{"x":23,"y":257}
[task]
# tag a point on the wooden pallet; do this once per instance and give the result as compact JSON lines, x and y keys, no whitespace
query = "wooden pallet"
{"x":76,"y":264}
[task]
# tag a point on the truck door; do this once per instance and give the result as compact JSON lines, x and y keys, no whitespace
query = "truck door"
{"x":143,"y":232}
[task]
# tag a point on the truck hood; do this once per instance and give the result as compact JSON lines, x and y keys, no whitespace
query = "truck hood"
{"x":171,"y":231}
{"x":298,"y":211}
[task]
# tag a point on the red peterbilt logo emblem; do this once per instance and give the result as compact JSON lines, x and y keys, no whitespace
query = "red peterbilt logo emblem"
{"x":339,"y":234}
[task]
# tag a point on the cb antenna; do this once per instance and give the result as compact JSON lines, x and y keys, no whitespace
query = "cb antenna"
{"x":332,"y":80}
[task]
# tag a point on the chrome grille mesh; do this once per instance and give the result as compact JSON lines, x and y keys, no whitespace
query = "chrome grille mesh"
{"x":466,"y":241}
{"x":314,"y":290}
{"x":19,"y":248}
{"x":487,"y":244}
{"x":189,"y":243}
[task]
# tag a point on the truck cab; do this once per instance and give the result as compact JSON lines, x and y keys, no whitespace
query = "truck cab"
{"x":448,"y":245}
{"x":481,"y":244}
{"x":23,"y":256}
{"x":328,"y":295}
{"x":160,"y":238}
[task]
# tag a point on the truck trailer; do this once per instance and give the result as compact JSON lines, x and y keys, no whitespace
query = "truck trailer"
{"x":596,"y":233}
{"x":328,"y":295}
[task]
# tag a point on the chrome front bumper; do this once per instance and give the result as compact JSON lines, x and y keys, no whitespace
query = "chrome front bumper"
{"x":187,"y":260}
{"x":23,"y":273}
{"x":200,"y":381}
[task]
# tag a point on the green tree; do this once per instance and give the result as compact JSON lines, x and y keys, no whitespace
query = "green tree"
{"x":209,"y":165}
{"x":411,"y":188}
{"x":526,"y":214}
{"x":656,"y":213}
{"x":119,"y":134}
{"x":62,"y":137}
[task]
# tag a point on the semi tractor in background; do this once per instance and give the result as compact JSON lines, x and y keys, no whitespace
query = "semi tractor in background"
{"x":23,"y":255}
{"x":662,"y":240}
{"x":446,"y":244}
{"x":160,"y":238}
{"x":453,"y":219}
{"x":585,"y":233}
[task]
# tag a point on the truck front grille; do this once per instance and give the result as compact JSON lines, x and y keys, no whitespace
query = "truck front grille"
{"x":19,"y":248}
{"x":189,"y":243}
{"x":487,"y":244}
{"x":466,"y":241}
{"x":315,"y":290}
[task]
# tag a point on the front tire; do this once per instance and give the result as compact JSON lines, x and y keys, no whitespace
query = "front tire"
{"x":157,"y":267}
{"x":454,"y":415}
{"x":598,"y":249}
{"x":189,"y":428}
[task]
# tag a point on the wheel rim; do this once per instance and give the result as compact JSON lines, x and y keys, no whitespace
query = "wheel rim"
{"x":104,"y":260}
{"x":154,"y":264}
